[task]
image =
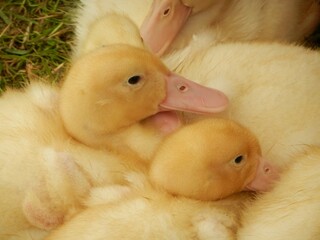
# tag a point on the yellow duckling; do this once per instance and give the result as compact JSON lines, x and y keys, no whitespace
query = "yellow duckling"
{"x":211,"y":159}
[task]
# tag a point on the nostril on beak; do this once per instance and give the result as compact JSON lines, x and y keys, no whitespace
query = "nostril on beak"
{"x":267,"y":170}
{"x":182,"y":88}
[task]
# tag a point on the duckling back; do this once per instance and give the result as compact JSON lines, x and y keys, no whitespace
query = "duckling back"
{"x":272,"y":90}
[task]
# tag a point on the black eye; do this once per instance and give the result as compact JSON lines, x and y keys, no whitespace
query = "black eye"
{"x":134,"y":80}
{"x":238,"y":159}
{"x":166,"y":12}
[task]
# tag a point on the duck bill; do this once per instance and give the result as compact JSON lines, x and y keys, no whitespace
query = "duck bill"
{"x":266,"y":175}
{"x":162,"y":24}
{"x":188,"y":96}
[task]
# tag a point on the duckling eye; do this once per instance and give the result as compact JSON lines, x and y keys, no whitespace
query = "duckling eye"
{"x":134,"y":80}
{"x":166,"y":12}
{"x":238,"y":159}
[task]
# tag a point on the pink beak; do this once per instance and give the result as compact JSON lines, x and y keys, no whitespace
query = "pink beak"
{"x":188,"y":96}
{"x":162,"y":24}
{"x":265,"y":177}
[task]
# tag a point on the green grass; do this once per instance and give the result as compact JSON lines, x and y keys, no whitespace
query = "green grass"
{"x":35,"y":40}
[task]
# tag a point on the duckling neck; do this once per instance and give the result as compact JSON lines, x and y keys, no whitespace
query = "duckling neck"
{"x":142,"y":140}
{"x":138,"y":140}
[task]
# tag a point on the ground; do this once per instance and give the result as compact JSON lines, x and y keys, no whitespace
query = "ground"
{"x":35,"y":40}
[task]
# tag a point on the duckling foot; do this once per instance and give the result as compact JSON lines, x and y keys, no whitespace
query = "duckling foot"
{"x":57,"y":195}
{"x":107,"y":194}
{"x":214,"y":226}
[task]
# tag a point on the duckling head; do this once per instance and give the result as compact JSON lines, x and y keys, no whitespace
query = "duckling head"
{"x":110,"y":29}
{"x":165,"y":19}
{"x":118,"y":86}
{"x":210,"y":160}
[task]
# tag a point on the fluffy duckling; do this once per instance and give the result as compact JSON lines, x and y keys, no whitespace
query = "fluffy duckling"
{"x":124,"y":13}
{"x":149,"y":213}
{"x":114,"y":110}
{"x":174,"y":22}
{"x":222,"y":158}
{"x":273,"y":90}
{"x":98,"y":35}
{"x":37,"y":185}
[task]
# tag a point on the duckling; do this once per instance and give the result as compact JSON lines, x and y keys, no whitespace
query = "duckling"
{"x":151,"y":213}
{"x":38,"y":186}
{"x":227,"y":20}
{"x":222,"y":158}
{"x":273,"y":90}
{"x":114,"y":110}
{"x":95,"y":15}
{"x":99,"y":35}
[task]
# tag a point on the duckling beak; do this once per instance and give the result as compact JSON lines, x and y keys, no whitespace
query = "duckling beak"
{"x":162,"y":24}
{"x":188,"y":96}
{"x":265,"y":177}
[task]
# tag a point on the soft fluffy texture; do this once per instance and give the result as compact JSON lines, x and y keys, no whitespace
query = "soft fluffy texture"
{"x":112,"y":28}
{"x":94,"y":10}
{"x":44,"y":172}
{"x":292,"y":209}
{"x":148,"y":213}
{"x":210,"y":160}
{"x":225,"y":20}
{"x":243,"y":20}
{"x":273,"y":90}
{"x":103,"y":99}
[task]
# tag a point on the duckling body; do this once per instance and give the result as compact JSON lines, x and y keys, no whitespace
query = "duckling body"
{"x":152,"y":213}
{"x":44,"y":180}
{"x":296,"y":199}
